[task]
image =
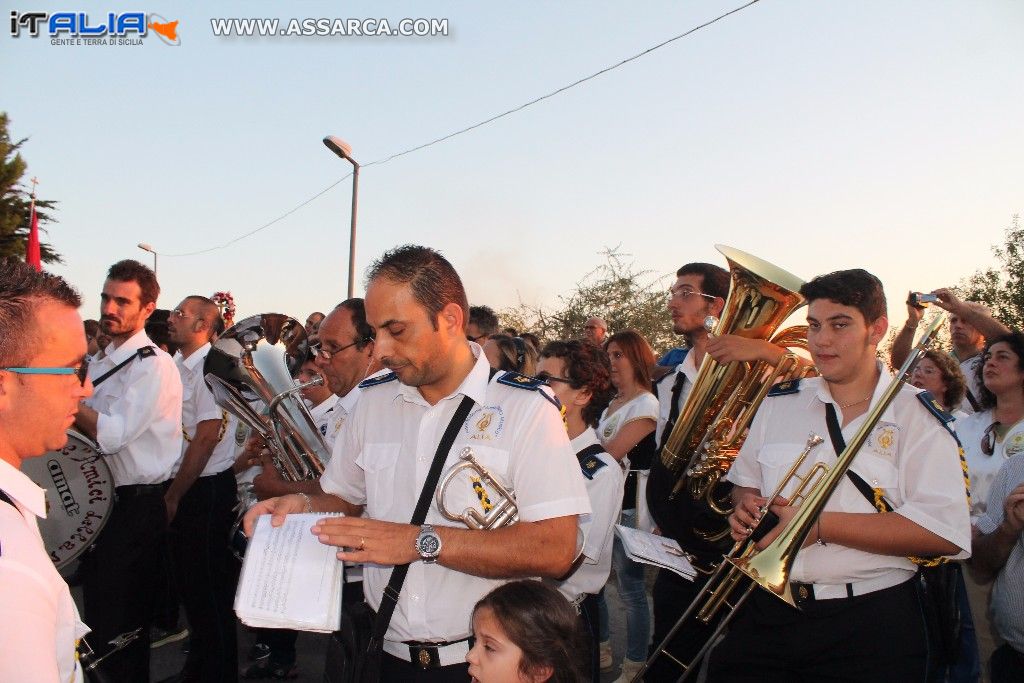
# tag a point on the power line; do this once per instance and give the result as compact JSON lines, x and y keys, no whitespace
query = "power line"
{"x":479,"y":124}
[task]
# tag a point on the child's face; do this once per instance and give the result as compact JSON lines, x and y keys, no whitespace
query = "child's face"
{"x":494,"y":657}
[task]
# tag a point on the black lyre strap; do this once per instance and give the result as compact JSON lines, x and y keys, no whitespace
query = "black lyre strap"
{"x":389,"y":600}
{"x":144,"y":352}
{"x":839,"y":443}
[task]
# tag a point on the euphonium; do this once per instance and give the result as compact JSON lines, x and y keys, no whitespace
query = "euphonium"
{"x":254,"y":362}
{"x":713,"y":423}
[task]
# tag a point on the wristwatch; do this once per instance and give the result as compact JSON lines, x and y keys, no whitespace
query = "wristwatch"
{"x":428,"y":544}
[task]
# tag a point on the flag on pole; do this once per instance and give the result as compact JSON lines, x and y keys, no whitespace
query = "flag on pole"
{"x":32,"y":256}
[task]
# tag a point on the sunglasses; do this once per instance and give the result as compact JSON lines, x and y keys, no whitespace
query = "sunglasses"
{"x":988,"y":439}
{"x":548,"y":378}
{"x":80,"y":371}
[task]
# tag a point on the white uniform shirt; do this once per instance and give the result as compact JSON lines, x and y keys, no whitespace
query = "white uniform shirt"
{"x":1007,"y":608}
{"x":909,"y":455}
{"x":605,"y":493}
{"x":323,"y":417}
{"x":381,"y":461}
{"x":139,"y":406}
{"x":689,"y":369}
{"x":198,"y":406}
{"x":39,"y":623}
{"x":981,"y":467}
{"x":340,"y":414}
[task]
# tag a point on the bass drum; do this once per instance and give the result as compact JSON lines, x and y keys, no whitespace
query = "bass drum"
{"x":79,"y":496}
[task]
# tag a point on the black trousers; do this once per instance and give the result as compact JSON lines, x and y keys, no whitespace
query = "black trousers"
{"x":1007,"y":665}
{"x":206,"y":576}
{"x":395,"y":670}
{"x":880,"y":636}
{"x":589,"y":618}
{"x":671,"y":596}
{"x":118,"y":576}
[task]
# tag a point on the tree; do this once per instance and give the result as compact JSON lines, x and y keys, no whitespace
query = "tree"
{"x":15,"y":202}
{"x":613,"y":291}
{"x":1002,"y":288}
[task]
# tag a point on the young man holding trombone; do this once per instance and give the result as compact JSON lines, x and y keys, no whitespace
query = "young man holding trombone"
{"x":859,"y":616}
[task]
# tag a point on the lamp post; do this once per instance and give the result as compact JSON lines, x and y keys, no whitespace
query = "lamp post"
{"x":145,"y":247}
{"x":344,"y":150}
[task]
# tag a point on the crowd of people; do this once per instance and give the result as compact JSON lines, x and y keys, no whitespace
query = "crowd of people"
{"x":414,"y":379}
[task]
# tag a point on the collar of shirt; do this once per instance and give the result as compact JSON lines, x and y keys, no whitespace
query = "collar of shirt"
{"x":124,"y":351}
{"x":348,"y":402}
{"x":689,"y":366}
{"x":321,"y":409}
{"x":23,"y":490}
{"x":587,"y":438}
{"x":884,"y":379}
{"x":473,"y":385}
{"x":194,"y":359}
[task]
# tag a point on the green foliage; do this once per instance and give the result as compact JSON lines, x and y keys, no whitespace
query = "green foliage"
{"x":625,"y":298}
{"x":15,"y":202}
{"x":1002,"y":288}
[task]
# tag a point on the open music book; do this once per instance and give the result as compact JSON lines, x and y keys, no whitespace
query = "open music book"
{"x":289,"y":578}
{"x":648,"y":548}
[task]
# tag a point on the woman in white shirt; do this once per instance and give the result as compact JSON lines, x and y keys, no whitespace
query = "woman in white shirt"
{"x":626,"y":430}
{"x":990,"y":437}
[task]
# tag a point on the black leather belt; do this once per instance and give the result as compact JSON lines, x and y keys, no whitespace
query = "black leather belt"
{"x":425,"y":654}
{"x":136,"y":490}
{"x":803,"y":593}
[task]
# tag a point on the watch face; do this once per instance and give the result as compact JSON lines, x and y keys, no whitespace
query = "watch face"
{"x":429,"y":545}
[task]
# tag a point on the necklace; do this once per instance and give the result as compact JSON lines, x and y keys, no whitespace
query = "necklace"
{"x":847,"y":405}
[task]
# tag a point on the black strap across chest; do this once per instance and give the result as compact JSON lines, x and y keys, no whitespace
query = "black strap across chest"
{"x":835,"y":433}
{"x":144,"y":352}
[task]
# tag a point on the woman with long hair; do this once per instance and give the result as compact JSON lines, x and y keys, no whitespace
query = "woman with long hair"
{"x":626,"y":430}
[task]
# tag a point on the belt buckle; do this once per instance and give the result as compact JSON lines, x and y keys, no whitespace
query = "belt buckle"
{"x":425,"y":656}
{"x":803,"y":593}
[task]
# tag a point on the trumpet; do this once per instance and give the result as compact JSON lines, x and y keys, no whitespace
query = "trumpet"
{"x":770,"y":567}
{"x":496,"y":515}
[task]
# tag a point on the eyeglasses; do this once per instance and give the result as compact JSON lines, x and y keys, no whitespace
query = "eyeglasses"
{"x":683,"y":294}
{"x":178,"y":313}
{"x":80,"y":371}
{"x":476,"y":338}
{"x":320,"y":352}
{"x":548,"y":378}
{"x":988,"y":439}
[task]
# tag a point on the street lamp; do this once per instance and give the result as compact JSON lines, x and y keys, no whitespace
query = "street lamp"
{"x":344,"y":150}
{"x":145,"y":247}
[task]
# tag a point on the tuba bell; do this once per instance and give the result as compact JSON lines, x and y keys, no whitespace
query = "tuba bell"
{"x":713,"y":422}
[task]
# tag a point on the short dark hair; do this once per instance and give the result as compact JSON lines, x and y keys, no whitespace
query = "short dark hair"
{"x":357,"y":307}
{"x":952,"y":376}
{"x":714,"y":279}
{"x":638,"y":352}
{"x":517,"y":354}
{"x":130,"y":270}
{"x":542,"y":623}
{"x":432,"y":279}
{"x":485,"y":319}
{"x":22,"y":290}
{"x":92,"y":327}
{"x":586,"y":365}
{"x":1015,"y":340}
{"x":856,"y":287}
{"x":209,"y":307}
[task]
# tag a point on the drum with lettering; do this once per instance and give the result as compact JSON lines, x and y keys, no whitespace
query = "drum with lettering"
{"x":79,"y":496}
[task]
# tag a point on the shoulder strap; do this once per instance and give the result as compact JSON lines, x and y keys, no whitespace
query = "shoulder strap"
{"x":592,"y":449}
{"x":389,"y":600}
{"x":144,"y":352}
{"x":5,"y":498}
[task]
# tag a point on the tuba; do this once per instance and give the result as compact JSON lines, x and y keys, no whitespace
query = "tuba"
{"x":254,"y":363}
{"x":713,"y":423}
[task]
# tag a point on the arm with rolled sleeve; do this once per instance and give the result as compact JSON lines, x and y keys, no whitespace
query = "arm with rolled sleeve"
{"x":605,"y":492}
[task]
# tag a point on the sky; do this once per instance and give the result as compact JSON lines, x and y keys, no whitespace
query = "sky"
{"x":815,"y":135}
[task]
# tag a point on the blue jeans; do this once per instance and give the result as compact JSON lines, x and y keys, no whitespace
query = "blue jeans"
{"x":633,"y":593}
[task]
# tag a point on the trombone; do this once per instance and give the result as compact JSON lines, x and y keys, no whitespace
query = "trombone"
{"x":770,"y":567}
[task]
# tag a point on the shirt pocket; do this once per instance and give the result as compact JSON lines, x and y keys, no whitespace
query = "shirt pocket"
{"x":379,"y":462}
{"x":775,"y":460}
{"x":470,"y":492}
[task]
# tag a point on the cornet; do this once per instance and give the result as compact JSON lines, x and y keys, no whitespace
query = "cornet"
{"x":496,"y":514}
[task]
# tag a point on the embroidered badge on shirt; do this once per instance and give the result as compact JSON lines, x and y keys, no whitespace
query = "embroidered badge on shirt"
{"x":609,"y":428}
{"x":485,"y":424}
{"x":1014,"y":445}
{"x":884,"y":439}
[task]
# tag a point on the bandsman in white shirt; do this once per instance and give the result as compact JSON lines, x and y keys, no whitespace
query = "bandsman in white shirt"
{"x":200,"y":502}
{"x":417,"y":306}
{"x":134,"y":416}
{"x":579,"y":375}
{"x":343,"y":354}
{"x":860,"y":617}
{"x":42,"y":381}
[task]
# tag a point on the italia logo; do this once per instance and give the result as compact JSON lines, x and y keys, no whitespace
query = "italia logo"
{"x":79,"y":28}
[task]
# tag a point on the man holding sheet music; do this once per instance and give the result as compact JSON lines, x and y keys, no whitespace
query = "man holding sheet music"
{"x":417,"y":306}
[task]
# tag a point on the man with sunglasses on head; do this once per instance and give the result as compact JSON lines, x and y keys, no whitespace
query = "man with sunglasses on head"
{"x":42,"y":381}
{"x":134,"y":416}
{"x":200,"y":502}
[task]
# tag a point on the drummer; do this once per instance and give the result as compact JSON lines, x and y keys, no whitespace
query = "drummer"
{"x":40,"y":392}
